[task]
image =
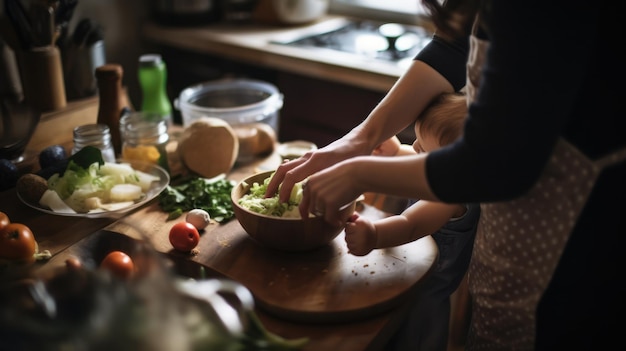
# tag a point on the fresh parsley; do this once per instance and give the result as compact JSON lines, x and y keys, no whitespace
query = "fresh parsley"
{"x":210,"y":195}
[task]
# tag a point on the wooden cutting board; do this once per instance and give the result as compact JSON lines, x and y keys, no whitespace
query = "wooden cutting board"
{"x":324,"y":285}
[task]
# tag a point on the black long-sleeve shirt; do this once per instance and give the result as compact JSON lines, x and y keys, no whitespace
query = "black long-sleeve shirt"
{"x":548,"y":74}
{"x":554,"y":69}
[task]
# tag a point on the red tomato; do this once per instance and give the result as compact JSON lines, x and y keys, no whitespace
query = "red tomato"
{"x":17,"y":243}
{"x":119,"y":264}
{"x":4,"y":220}
{"x":73,"y":264}
{"x":184,"y":237}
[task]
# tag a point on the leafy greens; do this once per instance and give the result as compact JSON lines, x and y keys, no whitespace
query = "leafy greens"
{"x":256,"y":201}
{"x":211,"y":195}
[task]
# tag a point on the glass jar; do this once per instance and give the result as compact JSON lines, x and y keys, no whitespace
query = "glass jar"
{"x":144,"y":138}
{"x":97,"y":135}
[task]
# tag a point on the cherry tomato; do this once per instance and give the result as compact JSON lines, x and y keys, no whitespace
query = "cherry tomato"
{"x":184,"y":237}
{"x":4,"y":220}
{"x":119,"y":264}
{"x":73,"y":263}
{"x":17,"y":243}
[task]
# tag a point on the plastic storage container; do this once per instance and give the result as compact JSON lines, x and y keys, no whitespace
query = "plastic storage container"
{"x":237,"y":101}
{"x":242,"y":103}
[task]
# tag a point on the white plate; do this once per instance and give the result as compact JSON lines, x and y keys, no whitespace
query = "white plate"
{"x":155,"y":189}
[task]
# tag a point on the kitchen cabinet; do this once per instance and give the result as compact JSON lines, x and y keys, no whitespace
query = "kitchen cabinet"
{"x":326,"y":93}
{"x":315,"y":109}
{"x":319,"y":110}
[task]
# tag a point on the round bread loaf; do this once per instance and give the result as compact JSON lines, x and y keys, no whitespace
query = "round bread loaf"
{"x":208,"y":147}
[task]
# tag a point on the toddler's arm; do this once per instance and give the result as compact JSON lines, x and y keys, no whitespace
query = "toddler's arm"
{"x":389,"y":147}
{"x":422,"y":219}
{"x":393,"y":147}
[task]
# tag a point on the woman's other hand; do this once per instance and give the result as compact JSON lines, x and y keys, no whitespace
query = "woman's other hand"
{"x":328,"y":191}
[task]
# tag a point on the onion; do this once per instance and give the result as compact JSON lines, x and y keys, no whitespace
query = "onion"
{"x":125,"y":192}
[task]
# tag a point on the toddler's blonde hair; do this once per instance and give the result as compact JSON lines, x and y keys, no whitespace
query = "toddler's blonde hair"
{"x":444,"y":117}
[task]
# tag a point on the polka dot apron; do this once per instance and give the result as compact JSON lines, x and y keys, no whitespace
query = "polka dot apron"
{"x":519,"y":242}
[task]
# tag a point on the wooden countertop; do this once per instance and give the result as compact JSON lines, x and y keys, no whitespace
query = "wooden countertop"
{"x":253,"y":43}
{"x":226,"y":250}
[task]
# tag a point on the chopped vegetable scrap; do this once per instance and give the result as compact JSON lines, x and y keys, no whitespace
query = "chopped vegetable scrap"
{"x":211,"y":195}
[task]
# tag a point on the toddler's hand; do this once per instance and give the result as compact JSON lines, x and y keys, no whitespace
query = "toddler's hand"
{"x":388,"y":147}
{"x":360,"y":235}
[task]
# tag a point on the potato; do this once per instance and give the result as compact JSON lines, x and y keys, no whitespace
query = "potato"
{"x":266,"y":139}
{"x":208,"y":147}
{"x":256,"y":139}
{"x":248,"y":142}
{"x":31,"y":187}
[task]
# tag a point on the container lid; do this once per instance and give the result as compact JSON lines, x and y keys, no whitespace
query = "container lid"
{"x":294,"y":149}
{"x":149,"y":60}
{"x":235,"y":100}
{"x":139,"y":125}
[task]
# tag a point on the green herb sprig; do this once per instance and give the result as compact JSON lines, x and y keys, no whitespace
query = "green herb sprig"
{"x":211,"y":195}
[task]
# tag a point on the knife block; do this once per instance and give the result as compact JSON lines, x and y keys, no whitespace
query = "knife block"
{"x":41,"y":72}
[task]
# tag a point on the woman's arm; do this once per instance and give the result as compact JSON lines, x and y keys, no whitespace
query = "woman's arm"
{"x":530,"y":89}
{"x":397,"y":110}
{"x":333,"y":187}
{"x":403,"y":103}
{"x":437,"y":69}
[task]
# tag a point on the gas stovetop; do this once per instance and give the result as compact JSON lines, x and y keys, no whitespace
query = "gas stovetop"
{"x":390,"y":42}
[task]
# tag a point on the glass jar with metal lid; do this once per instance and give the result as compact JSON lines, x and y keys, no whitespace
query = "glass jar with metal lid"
{"x":97,"y":135}
{"x":145,"y":137}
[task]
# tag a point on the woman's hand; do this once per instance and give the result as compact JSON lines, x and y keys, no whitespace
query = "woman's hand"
{"x":328,"y":191}
{"x":331,"y":189}
{"x":291,"y":172}
{"x":361,"y":236}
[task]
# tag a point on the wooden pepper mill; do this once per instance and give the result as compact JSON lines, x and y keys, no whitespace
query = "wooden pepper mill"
{"x":113,"y":100}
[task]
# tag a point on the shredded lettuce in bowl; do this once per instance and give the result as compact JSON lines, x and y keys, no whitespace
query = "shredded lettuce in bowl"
{"x":256,"y":201}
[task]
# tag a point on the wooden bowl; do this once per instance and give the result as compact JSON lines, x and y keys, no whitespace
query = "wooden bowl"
{"x":285,"y":234}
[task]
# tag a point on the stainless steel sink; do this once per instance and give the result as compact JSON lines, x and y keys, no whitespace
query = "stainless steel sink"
{"x":390,"y":42}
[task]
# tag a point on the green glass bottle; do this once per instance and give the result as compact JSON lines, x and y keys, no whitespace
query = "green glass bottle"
{"x":153,"y":81}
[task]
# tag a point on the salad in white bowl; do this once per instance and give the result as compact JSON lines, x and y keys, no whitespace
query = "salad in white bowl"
{"x":108,"y":187}
{"x":90,"y":187}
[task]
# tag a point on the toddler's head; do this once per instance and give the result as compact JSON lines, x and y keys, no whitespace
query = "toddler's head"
{"x":441,"y":123}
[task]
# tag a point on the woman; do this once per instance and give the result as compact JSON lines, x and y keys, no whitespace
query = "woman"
{"x":543,"y":152}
